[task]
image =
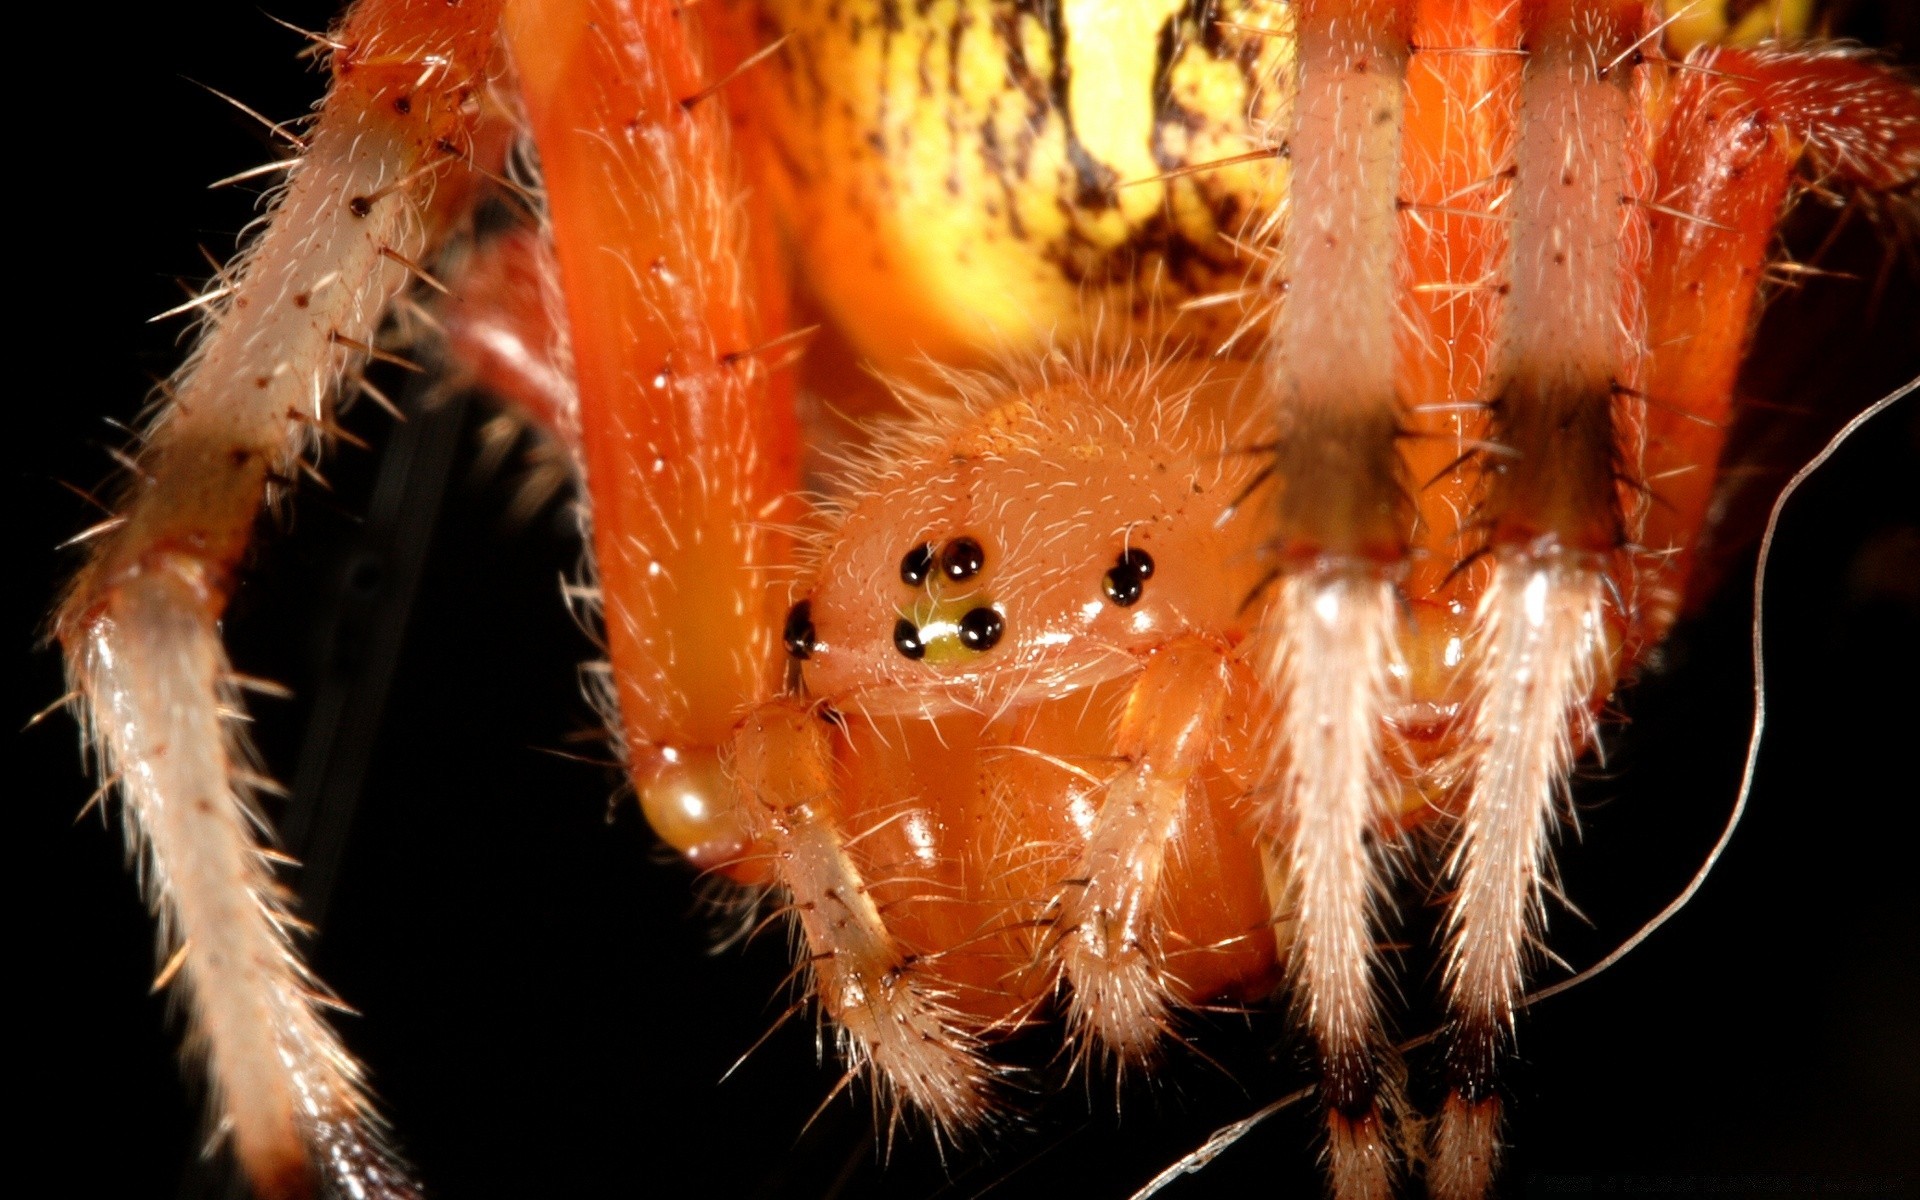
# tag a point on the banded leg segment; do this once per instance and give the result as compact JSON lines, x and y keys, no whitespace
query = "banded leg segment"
{"x":1110,"y":913}
{"x":690,"y":443}
{"x":1343,"y":519}
{"x":1541,"y":655}
{"x":381,"y":170}
{"x":1333,"y":371}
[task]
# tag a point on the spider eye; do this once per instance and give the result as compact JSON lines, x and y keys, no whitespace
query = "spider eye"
{"x":938,"y":628}
{"x":1126,"y":579}
{"x":917,"y":564}
{"x":906,"y":639}
{"x":961,"y":559}
{"x":798,"y":634}
{"x":981,"y":628}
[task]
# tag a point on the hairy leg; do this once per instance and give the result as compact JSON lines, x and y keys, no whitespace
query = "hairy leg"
{"x":1110,"y":921}
{"x":384,"y":165}
{"x":1541,"y":655}
{"x":688,"y":441}
{"x":890,"y":1020}
{"x":1333,"y":373}
{"x":1667,"y":344}
{"x":1742,"y":127}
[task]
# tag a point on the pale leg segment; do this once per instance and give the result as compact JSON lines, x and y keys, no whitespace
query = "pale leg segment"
{"x":1541,"y":640}
{"x":294,"y":315}
{"x":1343,"y":520}
{"x":890,"y":1020}
{"x":157,"y":684}
{"x":1110,"y":921}
{"x":1541,"y":655}
{"x":1335,"y":681}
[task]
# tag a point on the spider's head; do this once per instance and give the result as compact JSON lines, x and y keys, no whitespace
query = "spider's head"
{"x":1037,"y":549}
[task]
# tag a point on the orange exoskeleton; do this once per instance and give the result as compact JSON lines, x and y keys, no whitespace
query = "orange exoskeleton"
{"x":1303,"y":417}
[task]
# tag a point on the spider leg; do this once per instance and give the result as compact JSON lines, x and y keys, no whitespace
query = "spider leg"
{"x":1740,"y":128}
{"x":688,"y":443}
{"x":1723,"y":168}
{"x":1335,"y":625}
{"x":890,"y":1017}
{"x":1462,"y":84}
{"x":1543,"y":650}
{"x":502,"y":331}
{"x":1110,"y":921}
{"x":378,"y":174}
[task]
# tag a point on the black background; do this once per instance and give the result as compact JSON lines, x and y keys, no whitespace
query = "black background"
{"x":542,"y":1015}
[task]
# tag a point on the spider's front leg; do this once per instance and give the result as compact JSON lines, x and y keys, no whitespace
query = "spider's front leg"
{"x":1334,"y":376}
{"x":384,"y":167}
{"x":1634,"y":277}
{"x":688,"y":452}
{"x":689,"y":446}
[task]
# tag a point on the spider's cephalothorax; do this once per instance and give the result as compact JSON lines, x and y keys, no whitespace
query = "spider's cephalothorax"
{"x":1311,"y":412}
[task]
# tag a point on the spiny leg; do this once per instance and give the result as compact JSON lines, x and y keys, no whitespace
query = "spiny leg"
{"x":1542,"y":651}
{"x":1110,"y":919}
{"x":889,"y":1019}
{"x":381,"y":169}
{"x":1462,"y":82}
{"x":1333,"y":375}
{"x":1741,"y":124}
{"x":688,"y":442}
{"x":1334,"y":676}
{"x":1738,"y":124}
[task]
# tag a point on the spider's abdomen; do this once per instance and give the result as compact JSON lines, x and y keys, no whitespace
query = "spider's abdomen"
{"x":965,"y":177}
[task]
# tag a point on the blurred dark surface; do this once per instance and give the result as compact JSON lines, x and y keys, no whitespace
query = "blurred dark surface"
{"x":542,"y":1015}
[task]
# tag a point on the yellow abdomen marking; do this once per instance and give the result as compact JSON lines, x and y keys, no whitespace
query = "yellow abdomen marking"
{"x":967,"y":176}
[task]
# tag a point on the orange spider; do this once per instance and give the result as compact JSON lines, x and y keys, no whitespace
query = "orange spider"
{"x":1109,"y":680}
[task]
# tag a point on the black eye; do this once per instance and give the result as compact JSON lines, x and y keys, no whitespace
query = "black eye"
{"x":1126,"y":579}
{"x":981,"y":628}
{"x":917,"y":565}
{"x":906,"y":639}
{"x":961,"y":559}
{"x":798,"y":634}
